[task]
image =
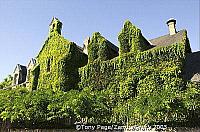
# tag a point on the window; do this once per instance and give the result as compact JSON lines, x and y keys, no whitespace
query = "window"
{"x":48,"y":65}
{"x":53,"y":26}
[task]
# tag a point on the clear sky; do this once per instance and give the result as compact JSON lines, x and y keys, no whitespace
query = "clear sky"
{"x":24,"y":23}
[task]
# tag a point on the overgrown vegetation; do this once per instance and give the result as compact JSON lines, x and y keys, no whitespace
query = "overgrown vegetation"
{"x":7,"y":82}
{"x":99,"y":48}
{"x":58,"y":63}
{"x":131,"y":39}
{"x":170,"y":103}
{"x":139,"y":87}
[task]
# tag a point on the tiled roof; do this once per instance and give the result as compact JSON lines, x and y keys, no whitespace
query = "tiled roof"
{"x":168,"y":39}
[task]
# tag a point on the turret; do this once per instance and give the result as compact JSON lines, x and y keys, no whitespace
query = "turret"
{"x":55,"y":26}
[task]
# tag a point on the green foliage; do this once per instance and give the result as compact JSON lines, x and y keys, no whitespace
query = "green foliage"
{"x":139,"y":87}
{"x":131,"y":39}
{"x":11,"y":104}
{"x":148,"y":83}
{"x":7,"y":82}
{"x":34,"y":77}
{"x":131,"y":68}
{"x":156,"y":99}
{"x":99,"y":48}
{"x":186,"y":43}
{"x":58,"y":64}
{"x":41,"y":108}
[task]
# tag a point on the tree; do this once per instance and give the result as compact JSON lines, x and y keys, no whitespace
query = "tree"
{"x":7,"y":82}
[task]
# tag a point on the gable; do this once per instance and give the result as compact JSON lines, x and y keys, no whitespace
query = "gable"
{"x":32,"y":62}
{"x":19,"y":68}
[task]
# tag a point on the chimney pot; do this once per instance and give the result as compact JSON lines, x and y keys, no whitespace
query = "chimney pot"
{"x":172,"y":26}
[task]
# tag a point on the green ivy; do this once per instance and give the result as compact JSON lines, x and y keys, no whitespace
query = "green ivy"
{"x":58,"y":62}
{"x":148,"y":82}
{"x":99,"y":48}
{"x":131,"y":39}
{"x":141,"y":86}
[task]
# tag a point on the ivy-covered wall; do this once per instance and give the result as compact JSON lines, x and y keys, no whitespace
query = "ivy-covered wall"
{"x":141,"y":86}
{"x":134,"y":63}
{"x":60,"y":60}
{"x":58,"y":63}
{"x":100,"y":48}
{"x":132,"y":68}
{"x":140,"y":81}
{"x":131,"y":39}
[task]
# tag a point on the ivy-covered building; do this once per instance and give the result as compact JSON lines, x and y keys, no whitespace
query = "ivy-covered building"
{"x":62,"y":64}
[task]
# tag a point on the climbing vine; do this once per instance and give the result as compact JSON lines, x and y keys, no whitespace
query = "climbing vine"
{"x":148,"y":84}
{"x":100,"y":48}
{"x":141,"y":86}
{"x":58,"y":62}
{"x":131,"y":39}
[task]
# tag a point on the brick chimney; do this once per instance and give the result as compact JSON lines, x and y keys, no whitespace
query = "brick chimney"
{"x":172,"y":26}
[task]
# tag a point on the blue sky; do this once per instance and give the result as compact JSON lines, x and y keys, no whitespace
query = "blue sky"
{"x":24,"y":23}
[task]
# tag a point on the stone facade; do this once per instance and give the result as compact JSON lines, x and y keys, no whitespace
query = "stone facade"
{"x":19,"y":75}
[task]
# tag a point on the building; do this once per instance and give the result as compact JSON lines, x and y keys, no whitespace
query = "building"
{"x":19,"y":75}
{"x":58,"y":62}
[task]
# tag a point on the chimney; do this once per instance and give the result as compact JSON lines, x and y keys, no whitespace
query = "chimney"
{"x":172,"y":26}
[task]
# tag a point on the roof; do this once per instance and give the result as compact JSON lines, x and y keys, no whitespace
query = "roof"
{"x":79,"y":48}
{"x":20,"y":68}
{"x":54,"y":19}
{"x":192,"y":66}
{"x":168,"y":39}
{"x":113,"y":47}
{"x":147,"y":43}
{"x":32,"y":61}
